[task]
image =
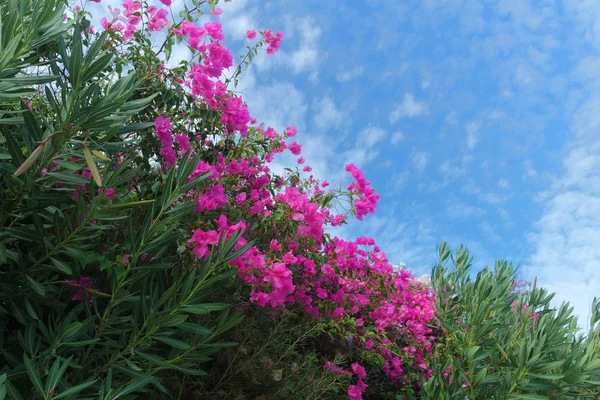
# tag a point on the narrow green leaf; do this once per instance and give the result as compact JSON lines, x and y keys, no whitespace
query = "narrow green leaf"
{"x":137,"y":385}
{"x":74,"y":390}
{"x":61,"y":266}
{"x":34,"y":375}
{"x":178,"y":344}
{"x":195,"y":328}
{"x":36,"y":286}
{"x":196,"y":310}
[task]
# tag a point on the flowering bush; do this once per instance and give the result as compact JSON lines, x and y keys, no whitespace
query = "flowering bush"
{"x":136,"y":195}
{"x":141,"y":221}
{"x":504,"y":340}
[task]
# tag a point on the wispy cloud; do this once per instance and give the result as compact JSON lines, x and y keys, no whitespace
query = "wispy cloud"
{"x":420,"y":160}
{"x":306,"y":56}
{"x":472,"y":128}
{"x":327,"y":114}
{"x":397,"y":138}
{"x":366,"y":146}
{"x":566,"y":256}
{"x":456,"y":209}
{"x":349,"y":75}
{"x":408,"y":108}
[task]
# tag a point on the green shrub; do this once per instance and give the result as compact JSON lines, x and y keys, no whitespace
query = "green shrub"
{"x":98,"y":295}
{"x":502,"y":339}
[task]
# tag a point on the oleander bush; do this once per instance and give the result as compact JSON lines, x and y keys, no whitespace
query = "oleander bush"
{"x":502,"y":338}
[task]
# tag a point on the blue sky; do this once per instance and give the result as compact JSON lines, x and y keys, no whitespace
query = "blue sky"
{"x":478,"y":122}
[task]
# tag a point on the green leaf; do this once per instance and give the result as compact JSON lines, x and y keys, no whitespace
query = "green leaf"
{"x":135,"y":127}
{"x":215,"y":306}
{"x":61,"y":266}
{"x":137,"y":385}
{"x":592,"y":366}
{"x":132,"y":365}
{"x":195,"y":328}
{"x":527,"y":397}
{"x":471,"y":352}
{"x":74,"y":390}
{"x":36,"y":286}
{"x":190,"y":371}
{"x":34,"y":375}
{"x":222,"y":345}
{"x":31,"y":310}
{"x":71,"y":330}
{"x":68,"y":178}
{"x":52,"y":378}
{"x":198,"y":309}
{"x":158,"y":361}
{"x":81,"y":343}
{"x":33,"y":126}
{"x":25,"y":234}
{"x":178,"y":344}
{"x":546,"y":376}
{"x":239,"y":251}
{"x":171,"y":320}
{"x":98,"y":66}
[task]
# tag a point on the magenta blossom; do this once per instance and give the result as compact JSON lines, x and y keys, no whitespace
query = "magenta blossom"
{"x":81,"y":284}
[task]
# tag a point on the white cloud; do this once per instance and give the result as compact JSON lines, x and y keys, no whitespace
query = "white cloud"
{"x":237,"y":19}
{"x":489,"y":231}
{"x":503,"y":184}
{"x":530,"y":172}
{"x":451,"y":118}
{"x":420,"y":159}
{"x":486,"y":197}
{"x":365,"y":149}
{"x":397,"y":138}
{"x":409,"y":108}
{"x":370,"y":136}
{"x":566,"y":255}
{"x":306,"y":56}
{"x":472,"y":134}
{"x":398,"y":181}
{"x":327,"y":115}
{"x":348,"y":75}
{"x":302,"y":37}
{"x":278,"y":105}
{"x":456,"y":209}
{"x":450,"y":170}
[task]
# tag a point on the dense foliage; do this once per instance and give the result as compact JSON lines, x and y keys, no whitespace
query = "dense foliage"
{"x":141,"y":223}
{"x":504,"y":340}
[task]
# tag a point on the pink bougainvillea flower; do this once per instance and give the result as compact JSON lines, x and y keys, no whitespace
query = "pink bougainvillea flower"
{"x":273,"y":41}
{"x":217,"y":11}
{"x":251,"y":34}
{"x":214,"y":30}
{"x":110,"y":192}
{"x":295,"y":148}
{"x":359,"y":370}
{"x":158,"y":19}
{"x":355,"y":391}
{"x":201,"y":240}
{"x":81,"y":284}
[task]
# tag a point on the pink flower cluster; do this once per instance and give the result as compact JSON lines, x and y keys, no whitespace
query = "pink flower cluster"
{"x":81,"y":284}
{"x":163,"y":128}
{"x":366,"y":200}
{"x":273,"y":41}
{"x":355,"y":391}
